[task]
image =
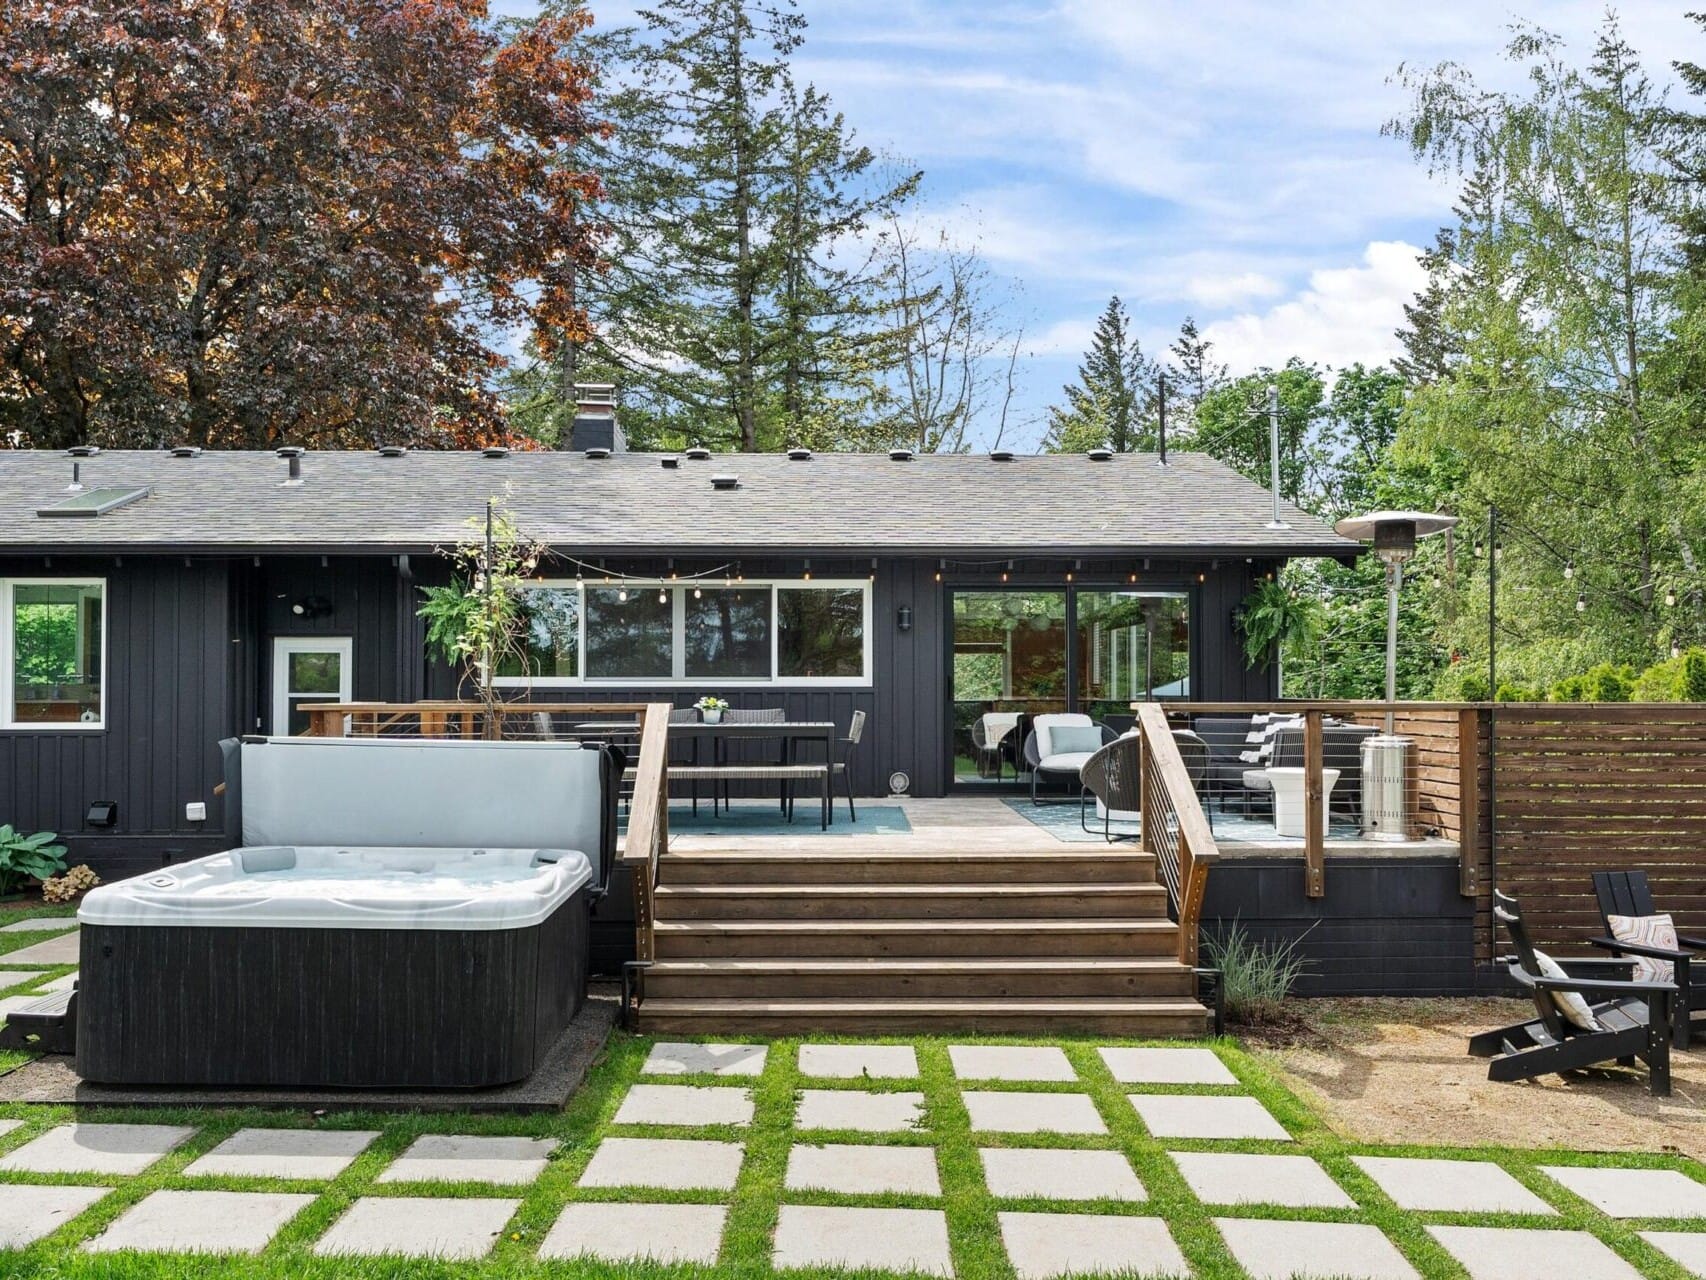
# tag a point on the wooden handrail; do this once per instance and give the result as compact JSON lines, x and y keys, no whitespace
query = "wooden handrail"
{"x":1175,"y":829}
{"x":648,"y":813}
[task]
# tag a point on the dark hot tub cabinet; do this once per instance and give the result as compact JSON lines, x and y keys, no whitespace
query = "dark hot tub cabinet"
{"x":400,"y":914}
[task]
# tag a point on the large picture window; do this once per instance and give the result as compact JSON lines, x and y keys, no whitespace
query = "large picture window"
{"x":793,"y":632}
{"x":53,"y":653}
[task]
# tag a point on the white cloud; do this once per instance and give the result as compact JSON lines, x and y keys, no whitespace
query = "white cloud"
{"x":1346,"y":314}
{"x":1217,"y":291}
{"x":1069,"y":338}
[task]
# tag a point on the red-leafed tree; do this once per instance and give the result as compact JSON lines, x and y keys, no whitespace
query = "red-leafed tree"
{"x":243,"y":222}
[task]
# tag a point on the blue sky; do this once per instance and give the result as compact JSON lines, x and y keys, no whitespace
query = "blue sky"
{"x":1221,"y":159}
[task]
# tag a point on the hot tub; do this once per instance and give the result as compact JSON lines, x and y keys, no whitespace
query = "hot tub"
{"x":362,"y":963}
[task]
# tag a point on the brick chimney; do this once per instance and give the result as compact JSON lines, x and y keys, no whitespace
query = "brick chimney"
{"x":595,"y":419}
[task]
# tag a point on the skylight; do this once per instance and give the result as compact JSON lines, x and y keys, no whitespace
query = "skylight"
{"x":94,"y":502}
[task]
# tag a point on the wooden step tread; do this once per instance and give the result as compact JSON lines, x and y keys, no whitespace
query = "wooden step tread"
{"x":1021,"y":856}
{"x":855,"y":891}
{"x":963,"y":926}
{"x":1111,"y":1004}
{"x":917,"y":964}
{"x":1160,"y":1016}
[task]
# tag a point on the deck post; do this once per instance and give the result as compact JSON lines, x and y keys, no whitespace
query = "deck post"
{"x":1468,"y":801}
{"x":1314,"y":833}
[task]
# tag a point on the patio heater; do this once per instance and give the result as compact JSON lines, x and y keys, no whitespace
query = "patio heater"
{"x":1387,"y":758}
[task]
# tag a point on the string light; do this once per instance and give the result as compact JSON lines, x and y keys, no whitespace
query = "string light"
{"x":698,"y":594}
{"x":622,"y":595}
{"x":1581,"y":604}
{"x":1670,"y":597}
{"x":1569,"y":570}
{"x":663,"y":596}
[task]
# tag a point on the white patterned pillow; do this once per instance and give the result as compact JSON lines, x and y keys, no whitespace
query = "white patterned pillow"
{"x":1647,"y":931}
{"x":1570,"y":1003}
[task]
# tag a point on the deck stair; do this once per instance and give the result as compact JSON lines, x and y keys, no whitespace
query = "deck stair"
{"x":883,"y":936}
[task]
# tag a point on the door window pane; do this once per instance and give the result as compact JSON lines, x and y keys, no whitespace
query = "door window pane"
{"x":727,"y":633}
{"x":628,"y":639}
{"x":1132,"y":647}
{"x":820,"y":633}
{"x":56,"y":653}
{"x":1009,"y":661}
{"x":316,"y":672}
{"x":550,"y":635}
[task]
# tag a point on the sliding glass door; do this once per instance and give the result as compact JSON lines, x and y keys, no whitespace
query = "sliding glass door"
{"x":1017,"y":653}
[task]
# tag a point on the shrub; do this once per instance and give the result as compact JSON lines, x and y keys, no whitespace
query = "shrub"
{"x":68,"y":887}
{"x":1661,"y":682}
{"x":1255,"y":977}
{"x":1461,"y":682}
{"x":1606,"y":683}
{"x":1569,"y":689}
{"x":25,"y":857}
{"x":1512,"y":691}
{"x":1694,"y":675}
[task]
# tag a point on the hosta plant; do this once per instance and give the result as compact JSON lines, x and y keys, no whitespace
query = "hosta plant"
{"x":24,"y":858}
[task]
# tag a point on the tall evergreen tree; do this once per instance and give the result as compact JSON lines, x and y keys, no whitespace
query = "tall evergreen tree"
{"x":1114,"y":402}
{"x":1429,"y":343}
{"x":1195,"y":373}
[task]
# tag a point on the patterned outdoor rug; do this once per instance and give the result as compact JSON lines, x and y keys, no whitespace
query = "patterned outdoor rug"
{"x":1061,"y":822}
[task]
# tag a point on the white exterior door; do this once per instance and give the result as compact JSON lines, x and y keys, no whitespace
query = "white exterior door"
{"x":306,"y":670}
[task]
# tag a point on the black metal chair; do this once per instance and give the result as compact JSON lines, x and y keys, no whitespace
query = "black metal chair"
{"x":687,"y":715}
{"x":986,"y":755}
{"x":1626,"y":893}
{"x":1634,"y":1018}
{"x":844,"y":766}
{"x":754,"y":715}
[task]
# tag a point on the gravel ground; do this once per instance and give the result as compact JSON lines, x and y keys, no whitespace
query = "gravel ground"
{"x":1398,"y":1071}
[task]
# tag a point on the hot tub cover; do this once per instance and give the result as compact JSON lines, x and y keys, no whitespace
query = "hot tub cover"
{"x":347,"y":887}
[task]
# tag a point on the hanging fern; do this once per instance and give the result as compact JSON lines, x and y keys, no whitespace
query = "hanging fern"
{"x":1272,"y":617}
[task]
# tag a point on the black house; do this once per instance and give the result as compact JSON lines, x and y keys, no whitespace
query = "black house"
{"x":152,"y":603}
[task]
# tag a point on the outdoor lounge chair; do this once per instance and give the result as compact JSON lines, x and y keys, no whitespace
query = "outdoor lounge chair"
{"x":1045,"y":756}
{"x":986,"y":754}
{"x":1625,"y":893}
{"x":1114,"y":775}
{"x":1633,"y":1017}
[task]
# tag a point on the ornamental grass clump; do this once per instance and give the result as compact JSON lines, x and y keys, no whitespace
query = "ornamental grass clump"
{"x":1255,"y":977}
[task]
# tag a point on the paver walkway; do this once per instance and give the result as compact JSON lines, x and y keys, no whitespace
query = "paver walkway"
{"x":1012,"y":1162}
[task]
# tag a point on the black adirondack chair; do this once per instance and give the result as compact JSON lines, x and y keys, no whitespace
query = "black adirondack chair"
{"x":1635,"y":1017}
{"x":1625,"y":893}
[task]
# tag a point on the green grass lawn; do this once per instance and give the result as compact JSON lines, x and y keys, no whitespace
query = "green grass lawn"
{"x":971,"y":1211}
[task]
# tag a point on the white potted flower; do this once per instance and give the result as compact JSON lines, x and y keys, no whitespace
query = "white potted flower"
{"x":712,"y":708}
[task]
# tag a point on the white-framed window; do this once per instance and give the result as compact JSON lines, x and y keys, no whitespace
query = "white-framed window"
{"x":797,"y":632}
{"x":53,"y":653}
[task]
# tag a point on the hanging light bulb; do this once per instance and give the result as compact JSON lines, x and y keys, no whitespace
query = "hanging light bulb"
{"x":663,"y":596}
{"x":938,"y":575}
{"x":622,"y":595}
{"x":1581,"y":604}
{"x":1004,"y":575}
{"x":698,"y":594}
{"x":1480,"y":548}
{"x":808,"y":571}
{"x":1670,"y":597}
{"x":1069,"y":577}
{"x":1131,"y":578}
{"x":1569,"y":570}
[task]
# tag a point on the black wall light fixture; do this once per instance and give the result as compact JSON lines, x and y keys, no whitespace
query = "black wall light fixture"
{"x":903,"y":617}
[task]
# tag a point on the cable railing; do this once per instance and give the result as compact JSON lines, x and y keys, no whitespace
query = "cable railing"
{"x":1175,"y":829}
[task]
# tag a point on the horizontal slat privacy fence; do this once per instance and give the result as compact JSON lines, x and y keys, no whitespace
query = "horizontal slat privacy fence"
{"x":1600,"y":786}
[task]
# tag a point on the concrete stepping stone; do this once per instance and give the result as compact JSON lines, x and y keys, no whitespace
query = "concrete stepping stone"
{"x":40,"y":924}
{"x":6,"y":1126}
{"x":1525,"y":1253}
{"x":1686,"y":1248}
{"x":879,"y":1239}
{"x":1009,"y":1062}
{"x":1225,"y":1177}
{"x":439,"y":1157}
{"x":283,"y":1153}
{"x":1451,"y":1186}
{"x":1276,"y":1249}
{"x":1054,"y":1173}
{"x":1181,"y":1115}
{"x":684,"y":1105}
{"x":638,"y":1232}
{"x":1044,"y":1245}
{"x":864,"y":1170}
{"x":95,"y":1148}
{"x":19,"y":977}
{"x":1634,"y":1193}
{"x":994,"y":1111}
{"x":27,"y":1214}
{"x":863,"y":1112}
{"x":675,"y":1163}
{"x":62,"y":983}
{"x":61,"y":950}
{"x":1167,"y":1066}
{"x":200,"y":1222}
{"x":854,"y":1061}
{"x":418,"y":1227}
{"x":669,"y":1059}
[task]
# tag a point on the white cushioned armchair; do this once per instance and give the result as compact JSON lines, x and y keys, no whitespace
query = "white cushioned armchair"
{"x":1058,"y":745}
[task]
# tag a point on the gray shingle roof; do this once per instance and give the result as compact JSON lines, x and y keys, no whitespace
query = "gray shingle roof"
{"x":856,"y":503}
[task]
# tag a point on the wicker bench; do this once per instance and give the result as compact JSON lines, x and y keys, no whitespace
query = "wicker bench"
{"x":715,"y":773}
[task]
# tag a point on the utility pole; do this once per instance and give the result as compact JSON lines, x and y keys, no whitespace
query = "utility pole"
{"x":1274,"y":454}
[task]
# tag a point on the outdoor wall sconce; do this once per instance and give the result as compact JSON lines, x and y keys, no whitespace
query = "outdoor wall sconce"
{"x":903,"y":617}
{"x":312,"y":607}
{"x":102,"y":813}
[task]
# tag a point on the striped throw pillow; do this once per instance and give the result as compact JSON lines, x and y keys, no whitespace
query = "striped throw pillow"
{"x":1647,"y":931}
